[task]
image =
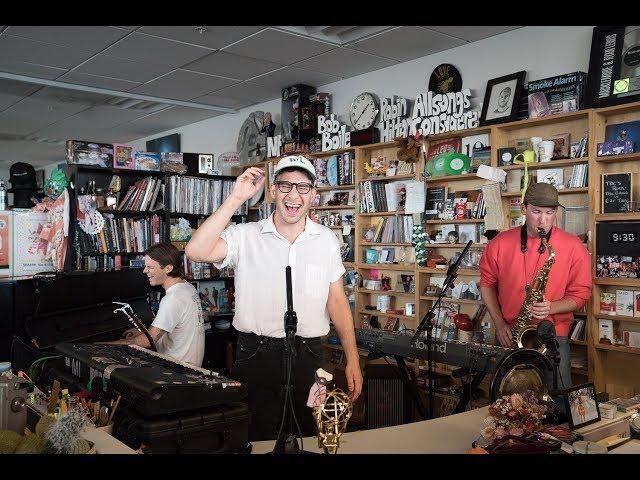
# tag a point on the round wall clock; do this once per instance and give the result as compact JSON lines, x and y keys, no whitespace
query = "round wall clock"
{"x":364,"y":111}
{"x":445,"y":78}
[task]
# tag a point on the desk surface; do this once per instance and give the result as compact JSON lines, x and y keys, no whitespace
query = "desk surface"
{"x":452,"y":434}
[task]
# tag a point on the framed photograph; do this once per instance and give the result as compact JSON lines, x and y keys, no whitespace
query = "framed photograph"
{"x":581,"y":405}
{"x":502,"y":99}
{"x":614,"y":72}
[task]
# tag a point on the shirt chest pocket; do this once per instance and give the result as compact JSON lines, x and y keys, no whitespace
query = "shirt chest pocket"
{"x":315,"y":281}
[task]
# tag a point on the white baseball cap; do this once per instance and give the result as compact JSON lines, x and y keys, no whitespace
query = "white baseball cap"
{"x":295,"y":161}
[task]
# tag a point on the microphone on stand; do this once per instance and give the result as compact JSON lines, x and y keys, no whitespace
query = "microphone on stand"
{"x":453,"y":268}
{"x":546,"y":333}
{"x":290,"y":317}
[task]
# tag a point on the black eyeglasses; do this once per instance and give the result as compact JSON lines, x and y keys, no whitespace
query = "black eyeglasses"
{"x":302,"y":188}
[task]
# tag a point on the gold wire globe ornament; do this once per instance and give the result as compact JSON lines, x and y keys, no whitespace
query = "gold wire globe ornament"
{"x":332,"y":413}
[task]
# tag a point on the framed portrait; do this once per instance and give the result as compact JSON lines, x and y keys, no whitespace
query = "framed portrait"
{"x":502,"y":99}
{"x":614,"y":70}
{"x":581,"y":405}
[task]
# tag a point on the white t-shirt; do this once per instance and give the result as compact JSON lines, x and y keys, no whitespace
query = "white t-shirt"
{"x":180,"y":315}
{"x":259,"y":255}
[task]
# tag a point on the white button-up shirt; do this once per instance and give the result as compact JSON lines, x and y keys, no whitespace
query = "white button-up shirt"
{"x":259,"y":255}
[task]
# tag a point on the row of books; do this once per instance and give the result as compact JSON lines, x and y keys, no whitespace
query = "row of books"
{"x":620,"y":302}
{"x":377,"y":196}
{"x":335,"y":170}
{"x":94,"y":263}
{"x":579,"y":176}
{"x":200,"y":196}
{"x":396,"y":229}
{"x":119,"y":235}
{"x":145,"y":194}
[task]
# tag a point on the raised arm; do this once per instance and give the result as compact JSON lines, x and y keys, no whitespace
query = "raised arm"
{"x":205,"y":244}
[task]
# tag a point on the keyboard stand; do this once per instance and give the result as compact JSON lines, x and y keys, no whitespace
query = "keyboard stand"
{"x":410,"y":386}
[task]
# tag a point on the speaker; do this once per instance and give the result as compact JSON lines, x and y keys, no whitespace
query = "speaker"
{"x":387,"y":400}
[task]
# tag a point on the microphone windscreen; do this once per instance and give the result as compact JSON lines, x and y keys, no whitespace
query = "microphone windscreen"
{"x":546,"y":330}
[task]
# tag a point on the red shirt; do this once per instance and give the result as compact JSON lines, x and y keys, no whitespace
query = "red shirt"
{"x":504,"y":266}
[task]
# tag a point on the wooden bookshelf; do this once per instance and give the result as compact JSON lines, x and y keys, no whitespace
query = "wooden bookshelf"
{"x":328,"y":188}
{"x":408,"y":176}
{"x":392,"y":293}
{"x":454,"y":300}
{"x":384,"y":314}
{"x":386,"y":266}
{"x":620,"y":318}
{"x":335,"y":207}
{"x":618,"y":282}
{"x":562,"y":191}
{"x":627,"y":157}
{"x":617,"y":217}
{"x":551,"y":164}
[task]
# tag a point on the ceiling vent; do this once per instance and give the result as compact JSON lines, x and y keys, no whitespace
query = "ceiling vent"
{"x":339,"y":35}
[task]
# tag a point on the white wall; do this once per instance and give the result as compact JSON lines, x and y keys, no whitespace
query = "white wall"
{"x":541,"y":51}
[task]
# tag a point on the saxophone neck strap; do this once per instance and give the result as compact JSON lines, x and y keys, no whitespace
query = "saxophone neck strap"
{"x":523,"y":239}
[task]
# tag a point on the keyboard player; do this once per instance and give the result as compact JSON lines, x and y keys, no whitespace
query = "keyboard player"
{"x":178,"y":328}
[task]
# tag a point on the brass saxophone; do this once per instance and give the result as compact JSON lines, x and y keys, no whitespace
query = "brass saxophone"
{"x":522,"y":332}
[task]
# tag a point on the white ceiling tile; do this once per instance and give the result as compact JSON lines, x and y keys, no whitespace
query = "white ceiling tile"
{"x":292,"y":75}
{"x":12,"y":91}
{"x":84,"y":38}
{"x":140,"y":47}
{"x":32,"y":114}
{"x":135,"y":71}
{"x":215,"y":36}
{"x":92,"y":121}
{"x":31,"y":51}
{"x":98,"y":81}
{"x":246,"y":91}
{"x":233,"y":66}
{"x":35,"y":153}
{"x":407,"y":43}
{"x":167,"y":119}
{"x":345,"y":62}
{"x":13,"y":124}
{"x":66,"y":95}
{"x":183,"y":85}
{"x":30,"y":69}
{"x":471,"y":33}
{"x":279,"y":47}
{"x":223,"y":101}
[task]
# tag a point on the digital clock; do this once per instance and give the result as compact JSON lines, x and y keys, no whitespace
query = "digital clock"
{"x":618,"y":238}
{"x":623,"y":237}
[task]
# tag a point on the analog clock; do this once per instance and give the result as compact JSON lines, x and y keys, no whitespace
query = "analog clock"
{"x":364,"y":111}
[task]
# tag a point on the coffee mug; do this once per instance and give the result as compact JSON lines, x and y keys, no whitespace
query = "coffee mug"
{"x":528,"y":156}
{"x":545,"y":150}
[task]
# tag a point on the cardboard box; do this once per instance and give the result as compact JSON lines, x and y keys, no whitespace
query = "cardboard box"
{"x":90,"y":153}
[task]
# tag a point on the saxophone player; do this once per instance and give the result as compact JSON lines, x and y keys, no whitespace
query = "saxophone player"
{"x":511,"y":261}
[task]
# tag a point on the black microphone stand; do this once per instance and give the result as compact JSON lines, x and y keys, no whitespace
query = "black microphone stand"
{"x":427,"y":321}
{"x":287,"y":442}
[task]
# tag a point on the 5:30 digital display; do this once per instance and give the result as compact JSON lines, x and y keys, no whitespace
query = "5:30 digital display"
{"x":623,"y":237}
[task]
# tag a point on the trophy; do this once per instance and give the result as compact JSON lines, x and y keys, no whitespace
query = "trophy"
{"x":331,"y":410}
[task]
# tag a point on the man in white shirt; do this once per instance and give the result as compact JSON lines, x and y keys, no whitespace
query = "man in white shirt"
{"x":178,"y":329}
{"x":259,"y":253}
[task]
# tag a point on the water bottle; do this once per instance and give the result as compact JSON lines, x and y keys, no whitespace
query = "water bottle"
{"x":3,"y":196}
